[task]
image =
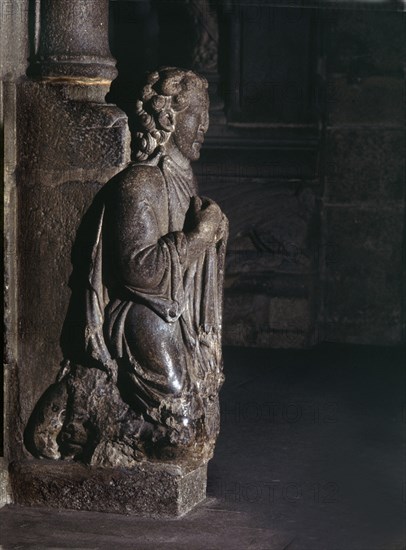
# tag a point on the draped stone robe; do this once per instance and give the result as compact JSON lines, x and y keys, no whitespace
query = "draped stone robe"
{"x":151,"y":310}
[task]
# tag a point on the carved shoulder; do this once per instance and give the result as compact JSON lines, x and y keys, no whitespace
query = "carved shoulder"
{"x":139,"y":197}
{"x":140,"y":182}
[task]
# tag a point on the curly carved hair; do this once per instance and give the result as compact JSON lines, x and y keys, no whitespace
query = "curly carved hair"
{"x":168,"y":91}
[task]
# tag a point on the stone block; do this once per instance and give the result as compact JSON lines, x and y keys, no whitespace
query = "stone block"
{"x":363,"y":293}
{"x":365,"y":42}
{"x":245,"y":317}
{"x":153,"y":490}
{"x":365,"y":165}
{"x":370,"y":100}
{"x":291,"y":320}
{"x":289,"y":313}
{"x":268,"y":321}
{"x":51,"y":217}
{"x":271,"y":228}
{"x":68,"y":150}
{"x":75,"y":135}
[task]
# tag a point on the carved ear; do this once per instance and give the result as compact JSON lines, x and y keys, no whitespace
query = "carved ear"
{"x":166,"y":120}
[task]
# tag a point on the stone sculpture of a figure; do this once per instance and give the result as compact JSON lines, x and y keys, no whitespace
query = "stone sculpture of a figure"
{"x":142,"y":337}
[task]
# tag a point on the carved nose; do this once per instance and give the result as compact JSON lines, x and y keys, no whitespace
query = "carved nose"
{"x":204,"y":124}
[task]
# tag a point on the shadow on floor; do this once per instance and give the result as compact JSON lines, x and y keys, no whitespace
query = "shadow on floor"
{"x":311,"y":456}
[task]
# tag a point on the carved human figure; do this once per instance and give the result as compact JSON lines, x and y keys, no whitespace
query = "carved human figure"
{"x":142,"y":339}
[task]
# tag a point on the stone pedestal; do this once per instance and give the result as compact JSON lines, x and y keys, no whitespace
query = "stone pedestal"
{"x":148,"y":489}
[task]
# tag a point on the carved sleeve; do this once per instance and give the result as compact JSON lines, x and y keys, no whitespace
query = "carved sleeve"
{"x":149,"y":261}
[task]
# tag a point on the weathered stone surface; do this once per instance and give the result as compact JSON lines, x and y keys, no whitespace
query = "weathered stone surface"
{"x":370,"y":100}
{"x":274,"y":251}
{"x":279,"y":322}
{"x":363,"y":298}
{"x":142,"y":336}
{"x":5,"y":496}
{"x":365,"y":164}
{"x":365,"y":42}
{"x":14,"y":51}
{"x":293,"y":317}
{"x":14,"y":43}
{"x":242,"y":164}
{"x":74,"y":41}
{"x":284,"y":239}
{"x":82,"y":145}
{"x":51,"y":218}
{"x":153,"y":490}
{"x":330,"y":417}
{"x":75,"y":135}
{"x":364,"y":177}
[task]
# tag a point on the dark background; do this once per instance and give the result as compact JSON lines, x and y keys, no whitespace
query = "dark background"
{"x":305,"y":154}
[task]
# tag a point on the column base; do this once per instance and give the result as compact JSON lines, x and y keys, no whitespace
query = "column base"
{"x":148,"y":489}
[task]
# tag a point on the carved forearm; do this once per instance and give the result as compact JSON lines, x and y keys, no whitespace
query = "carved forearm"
{"x":197,"y":244}
{"x":145,"y":269}
{"x":203,"y":236}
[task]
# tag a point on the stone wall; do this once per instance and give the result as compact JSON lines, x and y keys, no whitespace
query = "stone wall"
{"x":272,"y":259}
{"x":364,"y":177}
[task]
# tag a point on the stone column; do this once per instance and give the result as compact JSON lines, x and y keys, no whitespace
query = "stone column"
{"x":69,"y":143}
{"x":13,"y":61}
{"x":74,"y":41}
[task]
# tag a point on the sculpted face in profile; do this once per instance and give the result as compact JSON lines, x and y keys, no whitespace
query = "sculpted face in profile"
{"x":142,"y":338}
{"x":191,"y":125}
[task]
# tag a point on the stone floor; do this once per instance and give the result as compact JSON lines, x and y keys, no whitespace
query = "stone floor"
{"x":311,"y":456}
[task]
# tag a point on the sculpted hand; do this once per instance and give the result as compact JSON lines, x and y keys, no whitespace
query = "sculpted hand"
{"x":207,"y":217}
{"x":207,"y":223}
{"x":222,"y":230}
